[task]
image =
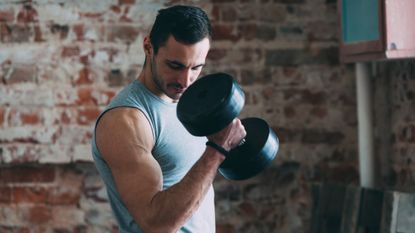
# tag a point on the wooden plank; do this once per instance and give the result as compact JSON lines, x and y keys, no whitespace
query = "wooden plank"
{"x":328,"y":202}
{"x":389,"y":210}
{"x":371,"y":210}
{"x":351,"y":209}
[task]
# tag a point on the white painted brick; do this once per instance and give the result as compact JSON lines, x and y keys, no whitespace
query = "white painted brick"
{"x":67,"y":217}
{"x":58,"y":14}
{"x":9,"y":215}
{"x":28,"y":53}
{"x":55,"y":154}
{"x":82,"y":153}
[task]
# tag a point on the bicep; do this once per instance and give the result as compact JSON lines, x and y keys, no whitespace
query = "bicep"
{"x":125,"y":140}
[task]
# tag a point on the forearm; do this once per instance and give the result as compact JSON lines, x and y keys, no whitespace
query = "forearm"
{"x":169,"y":209}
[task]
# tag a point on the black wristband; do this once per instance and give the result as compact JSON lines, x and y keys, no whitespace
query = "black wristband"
{"x":217,"y":147}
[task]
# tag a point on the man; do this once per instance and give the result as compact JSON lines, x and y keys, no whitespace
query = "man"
{"x":158,"y":176}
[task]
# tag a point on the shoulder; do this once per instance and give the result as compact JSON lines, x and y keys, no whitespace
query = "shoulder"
{"x":122,"y":126}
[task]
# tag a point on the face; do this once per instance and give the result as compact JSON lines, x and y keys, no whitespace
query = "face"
{"x":176,"y":66}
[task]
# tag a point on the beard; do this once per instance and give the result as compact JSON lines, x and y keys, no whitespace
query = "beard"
{"x":160,"y":84}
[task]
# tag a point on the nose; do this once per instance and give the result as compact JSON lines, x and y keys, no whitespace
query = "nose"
{"x":186,"y":78}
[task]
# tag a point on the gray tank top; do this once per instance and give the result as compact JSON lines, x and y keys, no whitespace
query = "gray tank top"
{"x":175,"y":150}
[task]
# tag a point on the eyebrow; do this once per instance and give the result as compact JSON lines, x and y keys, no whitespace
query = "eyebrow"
{"x":181,"y":65}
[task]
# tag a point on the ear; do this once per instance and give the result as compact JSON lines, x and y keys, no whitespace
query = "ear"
{"x":148,"y":48}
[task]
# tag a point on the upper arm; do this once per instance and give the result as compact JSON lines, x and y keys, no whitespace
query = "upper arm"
{"x":125,"y":140}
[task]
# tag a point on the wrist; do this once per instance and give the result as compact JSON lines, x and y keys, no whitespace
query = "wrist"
{"x":214,"y":155}
{"x":218,"y":148}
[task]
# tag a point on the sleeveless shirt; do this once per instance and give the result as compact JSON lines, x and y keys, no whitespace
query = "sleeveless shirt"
{"x":175,"y":150}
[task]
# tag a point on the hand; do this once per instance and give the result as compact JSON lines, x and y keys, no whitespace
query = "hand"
{"x":229,"y":137}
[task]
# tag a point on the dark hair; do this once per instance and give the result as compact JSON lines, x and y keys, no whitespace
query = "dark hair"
{"x":187,"y":24}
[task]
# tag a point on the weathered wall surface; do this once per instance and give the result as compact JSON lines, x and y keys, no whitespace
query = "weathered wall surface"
{"x":62,"y":61}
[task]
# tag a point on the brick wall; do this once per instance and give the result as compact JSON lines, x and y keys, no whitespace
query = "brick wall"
{"x":62,"y":61}
{"x":394,"y":108}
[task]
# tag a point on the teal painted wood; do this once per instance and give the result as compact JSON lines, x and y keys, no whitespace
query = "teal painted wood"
{"x":360,"y":20}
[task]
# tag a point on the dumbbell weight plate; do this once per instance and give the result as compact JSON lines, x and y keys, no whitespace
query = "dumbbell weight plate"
{"x":210,"y":104}
{"x":260,"y":148}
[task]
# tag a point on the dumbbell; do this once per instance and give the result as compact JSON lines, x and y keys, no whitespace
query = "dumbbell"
{"x":209,"y":105}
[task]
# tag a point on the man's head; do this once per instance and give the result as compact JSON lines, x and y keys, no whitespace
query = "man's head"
{"x":187,"y":24}
{"x":176,"y":49}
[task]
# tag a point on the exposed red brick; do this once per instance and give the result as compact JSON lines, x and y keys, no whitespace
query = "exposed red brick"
{"x":5,"y":194}
{"x":68,"y":188}
{"x":79,"y":30}
{"x":64,"y":118}
{"x":319,"y":112}
{"x":291,"y":1}
{"x":27,"y":174}
{"x":64,"y":195}
{"x":125,"y":33}
{"x":247,"y":77}
{"x":407,"y":134}
{"x":88,"y":116}
{"x":116,"y":9}
{"x":5,"y":32}
{"x":39,"y":214}
{"x":289,"y":111}
{"x":38,"y":34}
{"x":222,"y":1}
{"x":7,"y":15}
{"x":30,"y":118}
{"x":16,"y":33}
{"x":70,"y":51}
{"x":22,"y":73}
{"x":347,"y":100}
{"x":92,"y":15}
{"x":17,"y":229}
{"x":30,"y":194}
{"x":305,"y":96}
{"x":229,"y":14}
{"x":216,"y":54}
{"x":289,"y":71}
{"x":268,"y":92}
{"x":224,"y":228}
{"x":27,"y":14}
{"x":315,"y":136}
{"x":215,"y":13}
{"x":2,"y":113}
{"x":314,"y":97}
{"x":84,"y":59}
{"x":129,"y":2}
{"x":346,"y":173}
{"x":224,"y":32}
{"x":84,"y":77}
{"x":247,"y":208}
{"x":85,"y":97}
{"x":22,"y":153}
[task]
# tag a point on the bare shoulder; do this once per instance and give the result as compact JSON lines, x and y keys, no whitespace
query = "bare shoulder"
{"x":125,"y":140}
{"x":123,"y":126}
